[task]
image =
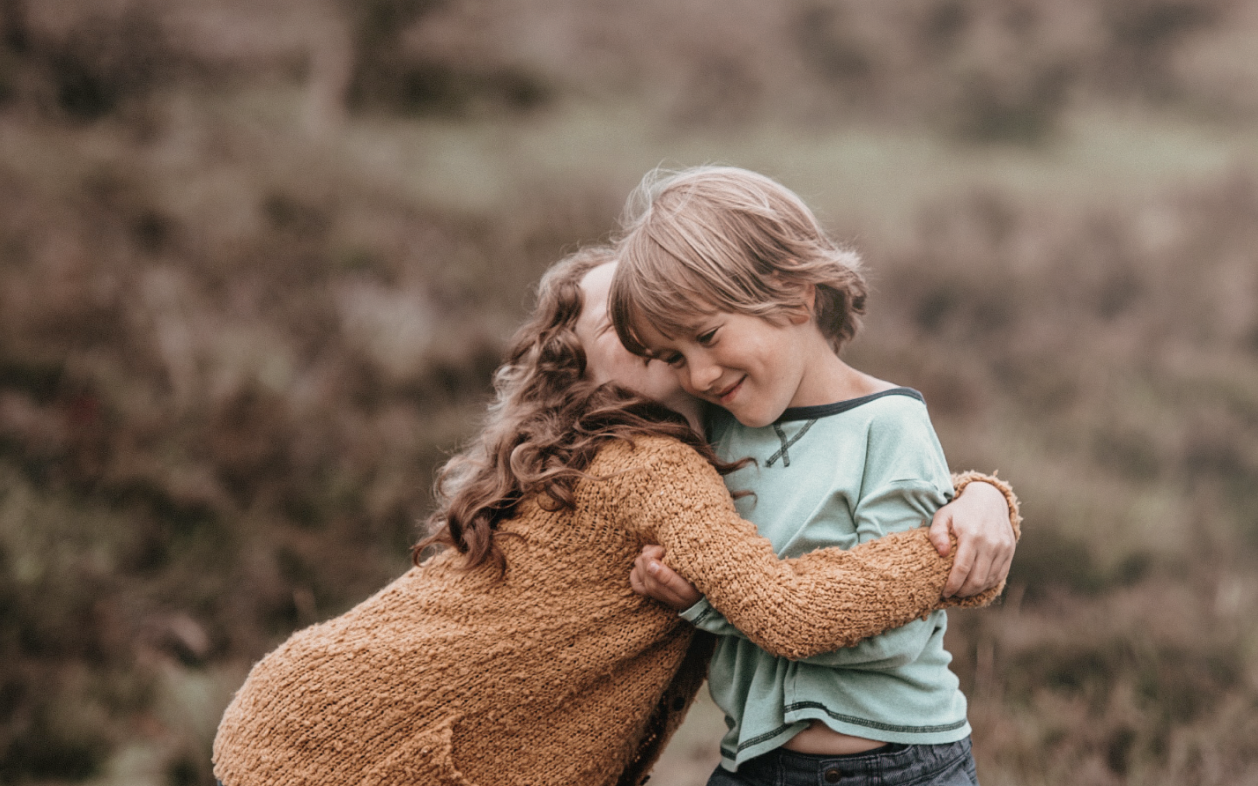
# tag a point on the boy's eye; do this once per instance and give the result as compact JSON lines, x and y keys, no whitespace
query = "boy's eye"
{"x":673,"y":359}
{"x":706,"y":337}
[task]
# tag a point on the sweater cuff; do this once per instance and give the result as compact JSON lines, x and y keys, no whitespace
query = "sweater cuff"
{"x":961,"y":480}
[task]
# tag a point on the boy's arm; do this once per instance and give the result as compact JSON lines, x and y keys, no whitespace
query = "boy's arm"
{"x":796,"y":608}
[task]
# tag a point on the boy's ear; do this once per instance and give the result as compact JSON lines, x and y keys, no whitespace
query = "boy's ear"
{"x":799,"y":317}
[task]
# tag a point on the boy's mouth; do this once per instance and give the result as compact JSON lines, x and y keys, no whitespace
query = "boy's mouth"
{"x":723,"y":396}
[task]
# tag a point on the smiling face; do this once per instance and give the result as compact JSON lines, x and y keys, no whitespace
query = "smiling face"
{"x":607,"y":360}
{"x":748,"y":365}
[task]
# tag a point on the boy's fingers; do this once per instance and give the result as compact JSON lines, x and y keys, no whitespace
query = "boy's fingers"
{"x":667,"y":577}
{"x":682,"y":592}
{"x":652,"y":551}
{"x":644,"y":581}
{"x":639,"y":580}
{"x":654,"y":579}
{"x":666,"y":597}
{"x":991,"y":567}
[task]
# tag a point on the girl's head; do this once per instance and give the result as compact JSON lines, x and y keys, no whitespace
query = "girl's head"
{"x":722,"y":239}
{"x":568,"y":345}
{"x":552,"y":410}
{"x":607,"y":360}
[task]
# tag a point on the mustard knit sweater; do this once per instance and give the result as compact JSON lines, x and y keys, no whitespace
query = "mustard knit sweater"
{"x":557,"y":673}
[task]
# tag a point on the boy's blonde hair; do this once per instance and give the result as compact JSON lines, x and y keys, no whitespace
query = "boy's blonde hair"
{"x":708,"y":239}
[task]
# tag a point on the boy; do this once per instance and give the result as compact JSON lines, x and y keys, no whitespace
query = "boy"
{"x":727,"y":277}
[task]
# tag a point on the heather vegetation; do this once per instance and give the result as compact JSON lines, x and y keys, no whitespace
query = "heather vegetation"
{"x":258,"y":259}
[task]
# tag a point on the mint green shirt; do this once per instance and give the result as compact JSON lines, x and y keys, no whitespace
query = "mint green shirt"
{"x":836,"y":475}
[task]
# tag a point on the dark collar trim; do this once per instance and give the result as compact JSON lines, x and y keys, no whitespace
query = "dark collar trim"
{"x":825,"y":410}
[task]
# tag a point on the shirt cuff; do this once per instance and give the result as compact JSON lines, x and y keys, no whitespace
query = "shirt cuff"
{"x":699,"y":612}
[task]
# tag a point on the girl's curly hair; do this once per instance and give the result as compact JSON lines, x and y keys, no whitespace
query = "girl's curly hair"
{"x":547,"y":422}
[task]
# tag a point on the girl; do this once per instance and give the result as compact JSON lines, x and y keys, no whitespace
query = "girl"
{"x":520,"y":654}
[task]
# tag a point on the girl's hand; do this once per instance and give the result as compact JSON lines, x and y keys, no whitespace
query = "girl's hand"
{"x":652,"y":578}
{"x":979,"y":517}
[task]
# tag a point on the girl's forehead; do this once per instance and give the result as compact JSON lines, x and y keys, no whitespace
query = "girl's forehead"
{"x":595,"y":285}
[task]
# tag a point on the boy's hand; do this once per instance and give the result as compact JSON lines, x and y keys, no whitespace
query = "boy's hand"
{"x":651,"y":577}
{"x":985,"y":540}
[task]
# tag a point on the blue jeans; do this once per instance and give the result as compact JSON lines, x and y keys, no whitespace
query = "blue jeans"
{"x":951,"y":764}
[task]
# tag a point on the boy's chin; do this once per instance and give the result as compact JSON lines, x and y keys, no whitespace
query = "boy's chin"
{"x":754,"y":419}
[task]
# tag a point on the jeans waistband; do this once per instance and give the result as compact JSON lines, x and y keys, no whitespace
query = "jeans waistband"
{"x":890,"y":764}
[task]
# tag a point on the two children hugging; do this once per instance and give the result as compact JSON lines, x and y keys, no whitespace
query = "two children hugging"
{"x":727,"y":277}
{"x":520,"y":654}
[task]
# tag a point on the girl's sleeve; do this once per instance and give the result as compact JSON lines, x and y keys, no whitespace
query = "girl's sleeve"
{"x":900,"y":506}
{"x":792,"y":608}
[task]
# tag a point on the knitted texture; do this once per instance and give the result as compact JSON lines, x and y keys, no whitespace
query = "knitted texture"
{"x":556,"y":672}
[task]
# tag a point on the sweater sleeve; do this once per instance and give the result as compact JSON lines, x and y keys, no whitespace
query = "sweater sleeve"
{"x":793,"y":608}
{"x":891,"y":647}
{"x":900,"y":506}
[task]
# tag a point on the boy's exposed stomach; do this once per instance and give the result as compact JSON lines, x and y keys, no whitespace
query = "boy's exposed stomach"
{"x":820,"y":739}
{"x":848,"y":701}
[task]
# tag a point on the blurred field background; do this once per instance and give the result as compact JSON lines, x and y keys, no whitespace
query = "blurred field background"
{"x":259,"y":257}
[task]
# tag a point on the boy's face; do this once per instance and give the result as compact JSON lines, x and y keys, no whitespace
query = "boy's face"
{"x":748,"y":365}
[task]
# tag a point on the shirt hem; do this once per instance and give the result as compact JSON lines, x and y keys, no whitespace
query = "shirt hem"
{"x":763,"y":744}
{"x":799,"y":714}
{"x":864,"y":727}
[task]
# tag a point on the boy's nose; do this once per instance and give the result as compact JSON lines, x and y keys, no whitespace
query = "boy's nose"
{"x":703,"y":376}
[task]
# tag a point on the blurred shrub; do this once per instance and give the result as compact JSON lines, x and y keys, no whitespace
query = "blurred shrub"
{"x":83,"y":65}
{"x":105,"y":62}
{"x":391,"y":75}
{"x":1021,"y":104}
{"x":985,"y":72}
{"x":1143,"y":36}
{"x":836,"y":50}
{"x":1146,"y":685}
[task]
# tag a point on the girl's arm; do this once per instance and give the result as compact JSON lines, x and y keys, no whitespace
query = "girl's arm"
{"x":792,"y":608}
{"x":982,"y":518}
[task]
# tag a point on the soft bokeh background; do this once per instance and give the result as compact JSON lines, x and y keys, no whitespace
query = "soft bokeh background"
{"x":259,"y":257}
